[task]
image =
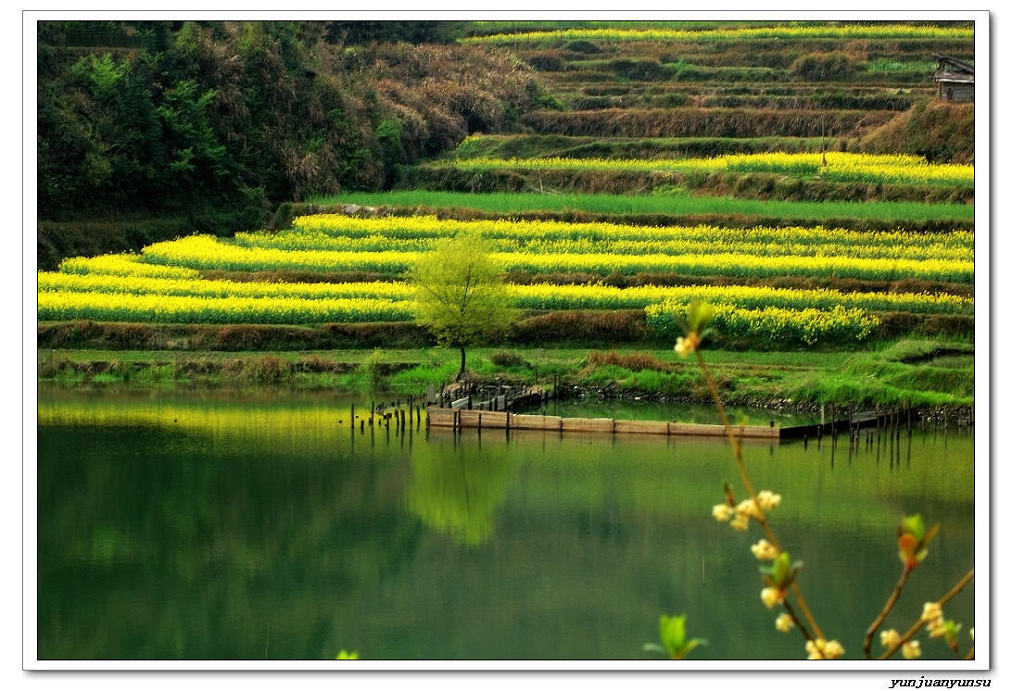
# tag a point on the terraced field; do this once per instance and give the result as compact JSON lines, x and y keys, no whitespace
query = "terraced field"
{"x":204,"y":400}
{"x":703,"y":161}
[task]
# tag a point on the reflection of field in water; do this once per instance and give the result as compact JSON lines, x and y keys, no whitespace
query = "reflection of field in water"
{"x":187,"y":525}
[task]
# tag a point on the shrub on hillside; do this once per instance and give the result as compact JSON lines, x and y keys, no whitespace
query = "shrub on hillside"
{"x":508,"y":358}
{"x":583,"y":47}
{"x":942,"y":132}
{"x":547,"y":61}
{"x":834,"y":66}
{"x":640,"y":70}
{"x":634,"y":362}
{"x":581,"y":326}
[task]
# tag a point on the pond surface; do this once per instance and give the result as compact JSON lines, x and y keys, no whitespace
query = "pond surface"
{"x":224,"y":525}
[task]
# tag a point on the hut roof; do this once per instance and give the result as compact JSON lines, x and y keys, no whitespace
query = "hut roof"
{"x":952,"y":71}
{"x":944,"y":63}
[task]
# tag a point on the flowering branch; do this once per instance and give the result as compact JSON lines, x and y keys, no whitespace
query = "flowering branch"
{"x":870,"y":633}
{"x":796,"y":620}
{"x":699,"y":316}
{"x":897,"y":644}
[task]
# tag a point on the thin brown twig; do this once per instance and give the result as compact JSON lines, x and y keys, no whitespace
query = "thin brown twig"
{"x":870,"y":633}
{"x":797,"y":620}
{"x":920,"y":622}
{"x":761,"y":517}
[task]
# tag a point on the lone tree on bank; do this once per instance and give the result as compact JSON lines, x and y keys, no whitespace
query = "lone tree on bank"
{"x":459,"y":292}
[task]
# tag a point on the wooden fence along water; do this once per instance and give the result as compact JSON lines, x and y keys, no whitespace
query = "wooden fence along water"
{"x":484,"y":408}
{"x":484,"y":419}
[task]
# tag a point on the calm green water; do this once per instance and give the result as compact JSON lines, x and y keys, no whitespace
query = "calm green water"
{"x":227,"y":525}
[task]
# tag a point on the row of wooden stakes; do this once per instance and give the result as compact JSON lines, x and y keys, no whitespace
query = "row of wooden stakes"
{"x":483,"y":419}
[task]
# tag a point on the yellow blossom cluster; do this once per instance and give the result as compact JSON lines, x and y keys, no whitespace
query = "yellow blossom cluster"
{"x":934,"y":617}
{"x":912,"y":649}
{"x":767,"y":500}
{"x":771,"y":596}
{"x":687,"y":345}
{"x":739,"y":515}
{"x":764,"y":551}
{"x":890,"y":638}
{"x":821,"y":649}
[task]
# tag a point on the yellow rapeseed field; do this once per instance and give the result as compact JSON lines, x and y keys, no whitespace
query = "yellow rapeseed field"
{"x":840,"y":166}
{"x":779,"y":31}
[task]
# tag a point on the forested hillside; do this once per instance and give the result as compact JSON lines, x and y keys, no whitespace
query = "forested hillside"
{"x":215,"y":123}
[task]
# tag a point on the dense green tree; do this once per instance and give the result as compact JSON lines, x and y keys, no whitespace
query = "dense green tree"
{"x":460,"y":293}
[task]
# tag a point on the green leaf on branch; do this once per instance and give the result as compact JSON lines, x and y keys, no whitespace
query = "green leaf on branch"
{"x":914,"y":525}
{"x":675,"y":645}
{"x":913,"y":540}
{"x":700,"y":314}
{"x":781,"y":573}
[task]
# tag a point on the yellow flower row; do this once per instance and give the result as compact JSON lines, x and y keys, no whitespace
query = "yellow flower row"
{"x":773,"y":324}
{"x":123,"y":265}
{"x":794,"y":31}
{"x":840,"y":166}
{"x":99,"y":283}
{"x":313,"y":240}
{"x":59,"y":305}
{"x":539,"y":296}
{"x":423,"y":227}
{"x":413,"y":227}
{"x":205,"y":252}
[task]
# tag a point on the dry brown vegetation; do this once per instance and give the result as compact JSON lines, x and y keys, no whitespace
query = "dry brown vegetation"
{"x":940,"y":131}
{"x":704,"y":122}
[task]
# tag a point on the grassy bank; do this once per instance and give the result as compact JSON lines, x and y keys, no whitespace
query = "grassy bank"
{"x":922,"y":373}
{"x":672,"y":203}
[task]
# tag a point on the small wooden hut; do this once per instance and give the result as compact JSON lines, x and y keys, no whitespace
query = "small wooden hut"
{"x":954,"y":79}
